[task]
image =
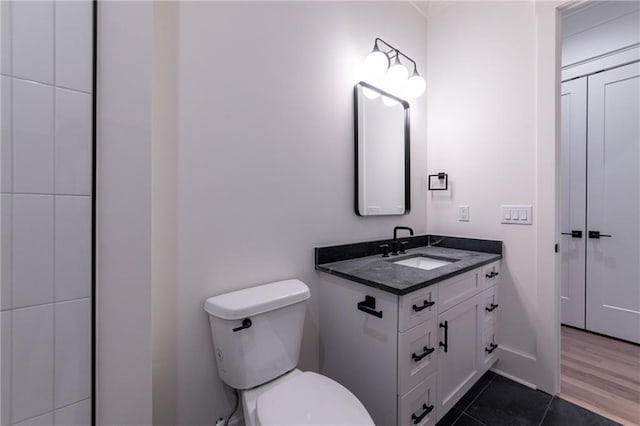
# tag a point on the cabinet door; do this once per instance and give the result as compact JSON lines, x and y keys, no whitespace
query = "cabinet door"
{"x":458,"y":361}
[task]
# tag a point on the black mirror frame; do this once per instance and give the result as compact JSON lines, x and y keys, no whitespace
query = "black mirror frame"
{"x":407,"y":147}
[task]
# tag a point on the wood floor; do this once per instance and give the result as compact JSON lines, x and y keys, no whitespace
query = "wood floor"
{"x":601,"y":374}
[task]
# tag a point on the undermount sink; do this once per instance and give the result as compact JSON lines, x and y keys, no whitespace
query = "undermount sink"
{"x":423,"y":262}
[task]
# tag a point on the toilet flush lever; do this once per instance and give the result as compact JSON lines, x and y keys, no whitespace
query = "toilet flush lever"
{"x":246,"y":323}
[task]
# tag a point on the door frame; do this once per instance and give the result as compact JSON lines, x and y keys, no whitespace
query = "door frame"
{"x":547,"y":182}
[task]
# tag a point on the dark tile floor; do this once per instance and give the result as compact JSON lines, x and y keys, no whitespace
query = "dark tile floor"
{"x":496,"y":401}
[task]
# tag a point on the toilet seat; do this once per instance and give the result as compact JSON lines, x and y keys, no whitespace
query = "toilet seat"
{"x":310,"y":399}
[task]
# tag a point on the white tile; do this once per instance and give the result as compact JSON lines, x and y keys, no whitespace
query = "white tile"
{"x":74,"y":415}
{"x":72,"y":244}
{"x":72,"y":378}
{"x":6,"y":212}
{"x":74,"y":37}
{"x":32,"y":362}
{"x":32,"y":40}
{"x":32,"y":137}
{"x":5,"y":133}
{"x":73,"y":142}
{"x":5,"y":37}
{"x":5,"y":367}
{"x":44,"y":420}
{"x":32,"y":249}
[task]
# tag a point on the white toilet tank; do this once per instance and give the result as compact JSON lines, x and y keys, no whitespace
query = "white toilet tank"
{"x":268,"y":321}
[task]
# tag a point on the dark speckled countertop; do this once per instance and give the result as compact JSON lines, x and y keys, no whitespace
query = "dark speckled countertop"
{"x":376,"y":271}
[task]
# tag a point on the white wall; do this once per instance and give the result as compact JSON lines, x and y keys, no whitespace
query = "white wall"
{"x":124,"y":291}
{"x":265,"y":158}
{"x":486,"y":65}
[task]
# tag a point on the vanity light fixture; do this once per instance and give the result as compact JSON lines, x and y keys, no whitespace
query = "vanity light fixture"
{"x":383,"y":68}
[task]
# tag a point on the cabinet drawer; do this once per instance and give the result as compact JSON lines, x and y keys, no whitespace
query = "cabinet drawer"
{"x":418,"y":406}
{"x":416,"y":354}
{"x":489,"y":351}
{"x":490,"y":275}
{"x":417,"y":307}
{"x":457,"y":289}
{"x":490,"y":307}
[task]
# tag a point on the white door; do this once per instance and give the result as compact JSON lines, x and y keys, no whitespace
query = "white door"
{"x":458,"y":362}
{"x":613,"y":203}
{"x":573,"y":194}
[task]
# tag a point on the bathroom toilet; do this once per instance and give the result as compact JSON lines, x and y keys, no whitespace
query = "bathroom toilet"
{"x":256,"y":336}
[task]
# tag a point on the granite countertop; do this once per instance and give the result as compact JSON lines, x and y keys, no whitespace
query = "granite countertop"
{"x":380,"y":272}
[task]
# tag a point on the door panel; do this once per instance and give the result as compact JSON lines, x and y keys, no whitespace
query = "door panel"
{"x":573,"y":200}
{"x":613,"y":203}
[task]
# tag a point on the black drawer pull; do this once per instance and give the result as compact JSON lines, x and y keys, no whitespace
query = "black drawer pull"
{"x":597,"y":234}
{"x":368,"y":305}
{"x":492,"y":307}
{"x":491,"y":274}
{"x":417,"y":419}
{"x":425,"y":305}
{"x":426,"y":352}
{"x":246,"y":323}
{"x":445,"y":345}
{"x":492,"y":347}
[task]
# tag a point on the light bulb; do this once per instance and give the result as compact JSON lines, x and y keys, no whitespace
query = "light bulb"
{"x":415,"y":85}
{"x":388,"y":101}
{"x":375,"y":65}
{"x":397,"y":75}
{"x":370,"y":94}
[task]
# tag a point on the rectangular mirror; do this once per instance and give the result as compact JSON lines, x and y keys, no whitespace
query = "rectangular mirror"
{"x":382,"y":152}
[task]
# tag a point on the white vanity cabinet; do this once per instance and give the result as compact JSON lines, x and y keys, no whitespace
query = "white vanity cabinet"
{"x":409,"y":358}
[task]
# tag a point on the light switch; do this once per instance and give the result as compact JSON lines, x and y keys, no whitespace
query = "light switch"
{"x":516,"y":214}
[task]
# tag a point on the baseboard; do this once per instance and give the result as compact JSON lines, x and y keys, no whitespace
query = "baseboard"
{"x":516,"y":365}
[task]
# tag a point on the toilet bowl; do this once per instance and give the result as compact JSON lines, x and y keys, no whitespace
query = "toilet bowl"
{"x":303,"y":398}
{"x":256,"y":336}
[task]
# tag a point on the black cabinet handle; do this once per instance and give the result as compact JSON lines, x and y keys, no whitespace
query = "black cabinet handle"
{"x":425,"y":305}
{"x":574,"y":234}
{"x":492,"y":307}
{"x":445,"y":345}
{"x":426,"y":352}
{"x":246,"y":323}
{"x":492,"y":347}
{"x":418,"y":418}
{"x":597,"y":234}
{"x":368,"y":305}
{"x":492,"y":274}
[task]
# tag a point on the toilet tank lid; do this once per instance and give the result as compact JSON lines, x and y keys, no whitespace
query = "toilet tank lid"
{"x":257,"y":300}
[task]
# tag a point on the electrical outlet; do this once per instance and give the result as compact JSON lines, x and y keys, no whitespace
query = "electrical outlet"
{"x":463,"y":213}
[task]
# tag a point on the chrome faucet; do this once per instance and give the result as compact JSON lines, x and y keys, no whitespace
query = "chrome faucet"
{"x":396,"y":247}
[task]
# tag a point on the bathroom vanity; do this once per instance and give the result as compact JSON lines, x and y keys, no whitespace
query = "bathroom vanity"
{"x":409,"y":334}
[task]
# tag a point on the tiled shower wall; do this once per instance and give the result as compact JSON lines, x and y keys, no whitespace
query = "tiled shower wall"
{"x":45,"y":212}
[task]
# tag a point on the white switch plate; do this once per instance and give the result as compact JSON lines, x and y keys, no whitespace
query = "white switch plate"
{"x":515,"y":214}
{"x":463,"y":214}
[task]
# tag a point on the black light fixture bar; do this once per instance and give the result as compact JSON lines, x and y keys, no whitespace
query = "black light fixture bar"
{"x":396,"y":50}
